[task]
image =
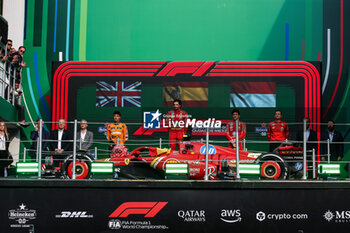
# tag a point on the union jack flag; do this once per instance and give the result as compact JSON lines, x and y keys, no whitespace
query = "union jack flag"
{"x":118,"y":94}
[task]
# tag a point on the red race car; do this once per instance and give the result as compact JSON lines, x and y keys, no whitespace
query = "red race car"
{"x":149,"y":162}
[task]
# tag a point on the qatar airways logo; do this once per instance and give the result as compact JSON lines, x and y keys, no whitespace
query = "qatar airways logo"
{"x":151,"y":120}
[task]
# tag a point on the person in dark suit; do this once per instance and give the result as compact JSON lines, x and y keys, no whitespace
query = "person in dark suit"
{"x":34,"y":135}
{"x":336,"y":149}
{"x":311,"y":136}
{"x":85,"y":138}
{"x":60,"y":141}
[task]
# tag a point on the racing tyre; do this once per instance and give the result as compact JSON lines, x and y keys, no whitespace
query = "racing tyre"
{"x":82,"y":167}
{"x":272,"y":166}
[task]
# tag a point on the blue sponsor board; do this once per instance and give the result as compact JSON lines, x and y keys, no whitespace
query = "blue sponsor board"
{"x":212,"y":150}
{"x":261,"y":130}
{"x":298,"y":166}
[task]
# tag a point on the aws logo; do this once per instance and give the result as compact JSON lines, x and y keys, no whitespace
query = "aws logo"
{"x":148,"y":209}
{"x":231,"y":216}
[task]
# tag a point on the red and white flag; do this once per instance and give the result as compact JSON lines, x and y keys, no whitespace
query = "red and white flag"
{"x":253,"y":95}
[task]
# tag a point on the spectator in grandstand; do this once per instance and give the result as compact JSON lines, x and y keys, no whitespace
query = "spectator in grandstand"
{"x":311,"y":136}
{"x":117,"y":132}
{"x":60,"y":141}
{"x":173,"y":118}
{"x":19,"y":57}
{"x":34,"y":135}
{"x":231,"y":130}
{"x":85,"y":138}
{"x":5,"y":54}
{"x":337,"y":148}
{"x":277,"y":131}
{"x":12,"y":50}
{"x":17,"y":63}
{"x":5,"y":156}
{"x":17,"y":93}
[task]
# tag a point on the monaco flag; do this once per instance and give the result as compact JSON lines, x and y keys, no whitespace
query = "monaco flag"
{"x":253,"y":95}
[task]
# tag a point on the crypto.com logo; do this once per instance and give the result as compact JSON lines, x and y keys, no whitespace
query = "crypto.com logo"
{"x":260,"y":216}
{"x":149,"y":209}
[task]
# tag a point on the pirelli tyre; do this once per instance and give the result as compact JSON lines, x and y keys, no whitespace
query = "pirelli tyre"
{"x":272,"y":166}
{"x":82,"y":167}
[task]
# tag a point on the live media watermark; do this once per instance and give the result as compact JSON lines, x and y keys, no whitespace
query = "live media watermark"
{"x":152,"y":120}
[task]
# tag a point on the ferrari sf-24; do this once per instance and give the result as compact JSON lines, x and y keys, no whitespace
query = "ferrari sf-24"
{"x":149,"y":162}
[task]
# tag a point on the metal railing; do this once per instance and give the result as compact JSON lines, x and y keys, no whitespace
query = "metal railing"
{"x":308,"y":156}
{"x":8,"y":76}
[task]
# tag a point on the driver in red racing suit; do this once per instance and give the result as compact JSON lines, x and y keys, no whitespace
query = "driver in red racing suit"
{"x":174,"y":117}
{"x":231,"y":130}
{"x":277,"y":131}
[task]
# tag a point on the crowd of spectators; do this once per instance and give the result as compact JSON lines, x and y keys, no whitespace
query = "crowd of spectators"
{"x":13,"y":59}
{"x":13,"y":64}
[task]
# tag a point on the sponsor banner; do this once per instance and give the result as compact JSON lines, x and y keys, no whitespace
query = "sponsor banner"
{"x":142,"y":209}
{"x":22,"y":217}
{"x":192,"y":215}
{"x":147,"y":210}
{"x":231,"y":215}
{"x":74,"y":214}
{"x":262,"y":216}
{"x":337,"y":216}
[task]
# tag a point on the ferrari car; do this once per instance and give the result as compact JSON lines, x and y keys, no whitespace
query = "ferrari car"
{"x":149,"y":162}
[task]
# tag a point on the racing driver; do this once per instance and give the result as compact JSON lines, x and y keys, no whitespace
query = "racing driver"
{"x":176,"y":131}
{"x":117,"y":132}
{"x":231,"y":130}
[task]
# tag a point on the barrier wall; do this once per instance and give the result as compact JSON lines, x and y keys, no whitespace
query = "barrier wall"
{"x":241,"y":206}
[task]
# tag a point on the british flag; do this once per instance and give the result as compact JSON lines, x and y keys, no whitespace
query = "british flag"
{"x":118,"y":94}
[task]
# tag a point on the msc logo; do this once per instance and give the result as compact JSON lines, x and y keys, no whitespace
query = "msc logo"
{"x":338,"y":216}
{"x":151,"y":120}
{"x":149,"y":209}
{"x":328,"y":215}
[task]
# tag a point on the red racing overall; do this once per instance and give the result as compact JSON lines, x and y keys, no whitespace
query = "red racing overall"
{"x":175,"y":131}
{"x":231,"y":132}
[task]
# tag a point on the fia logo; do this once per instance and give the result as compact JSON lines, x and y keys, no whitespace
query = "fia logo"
{"x":151,"y":120}
{"x":114,"y":224}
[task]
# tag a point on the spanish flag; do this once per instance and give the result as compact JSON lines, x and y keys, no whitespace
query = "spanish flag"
{"x":192,"y":94}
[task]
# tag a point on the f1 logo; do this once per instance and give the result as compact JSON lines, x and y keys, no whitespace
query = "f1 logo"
{"x":149,"y":209}
{"x":151,"y":120}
